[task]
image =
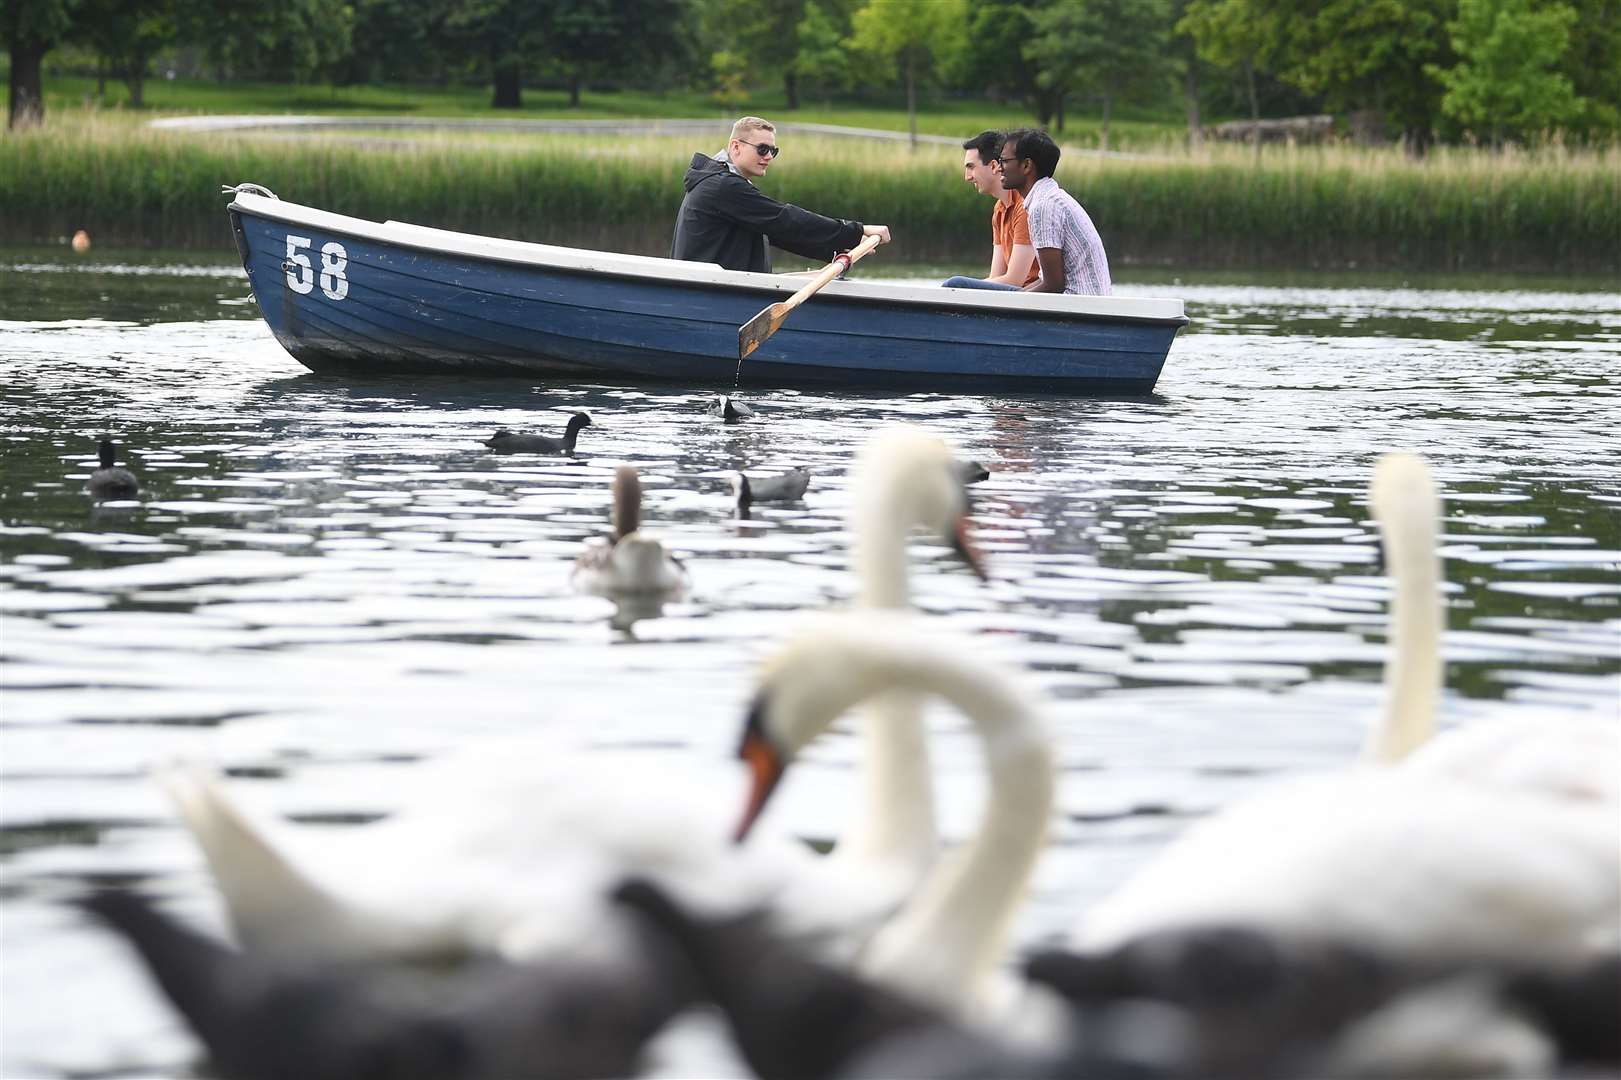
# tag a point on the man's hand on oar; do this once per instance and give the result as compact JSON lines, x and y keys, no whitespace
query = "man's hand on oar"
{"x":752,"y":334}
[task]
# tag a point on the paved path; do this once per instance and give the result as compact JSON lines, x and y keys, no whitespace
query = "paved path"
{"x":427,"y":123}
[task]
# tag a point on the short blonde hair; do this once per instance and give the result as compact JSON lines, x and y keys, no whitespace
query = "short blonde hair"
{"x":751,"y":123}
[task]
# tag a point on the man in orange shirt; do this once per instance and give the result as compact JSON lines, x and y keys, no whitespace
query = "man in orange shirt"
{"x":1013,"y":256}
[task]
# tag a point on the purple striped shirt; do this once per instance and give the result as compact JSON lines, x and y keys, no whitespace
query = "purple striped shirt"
{"x":1057,"y":221}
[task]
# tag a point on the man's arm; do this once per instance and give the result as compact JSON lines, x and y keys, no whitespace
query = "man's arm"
{"x":789,"y":227}
{"x":998,"y":263}
{"x":1052,"y":271}
{"x":1018,"y":267}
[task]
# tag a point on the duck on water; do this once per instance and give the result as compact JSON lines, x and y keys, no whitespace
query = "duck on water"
{"x":111,"y":481}
{"x":509,"y":442}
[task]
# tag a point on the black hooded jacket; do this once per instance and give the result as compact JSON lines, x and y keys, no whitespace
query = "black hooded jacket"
{"x":725,"y":219}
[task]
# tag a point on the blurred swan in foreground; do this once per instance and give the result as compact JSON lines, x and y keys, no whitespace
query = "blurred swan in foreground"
{"x":1560,"y":755}
{"x":946,"y":945}
{"x":629,"y":561}
{"x":1410,"y":859}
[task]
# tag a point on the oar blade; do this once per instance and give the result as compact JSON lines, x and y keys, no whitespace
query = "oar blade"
{"x":754,"y":332}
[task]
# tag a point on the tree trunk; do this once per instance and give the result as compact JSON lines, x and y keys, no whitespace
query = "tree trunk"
{"x":135,"y":79}
{"x":27,"y":106}
{"x":1108,"y":100}
{"x":1044,"y":108}
{"x":101,"y":78}
{"x":1190,"y":95}
{"x":574,"y":90}
{"x":1058,"y":112}
{"x":911,"y":101}
{"x":1416,"y":140}
{"x":790,"y":87}
{"x":508,"y":83}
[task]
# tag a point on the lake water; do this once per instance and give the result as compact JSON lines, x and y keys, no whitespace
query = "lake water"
{"x":327,"y":582}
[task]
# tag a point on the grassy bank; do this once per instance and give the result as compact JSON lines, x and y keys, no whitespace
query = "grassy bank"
{"x":1308,"y":208}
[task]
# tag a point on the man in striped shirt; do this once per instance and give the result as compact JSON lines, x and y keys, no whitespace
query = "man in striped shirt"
{"x":1068,"y":247}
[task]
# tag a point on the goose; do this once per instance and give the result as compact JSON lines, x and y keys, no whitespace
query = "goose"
{"x":729,"y":409}
{"x":1414,"y":861}
{"x":507,"y":442}
{"x":630,"y":561}
{"x":495,"y":835}
{"x":786,"y":487}
{"x":1564,"y":756}
{"x":945,"y":946}
{"x":274,"y":1015}
{"x":111,"y":481}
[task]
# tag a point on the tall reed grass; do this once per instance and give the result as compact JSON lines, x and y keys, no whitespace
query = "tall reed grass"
{"x":1333,"y":207}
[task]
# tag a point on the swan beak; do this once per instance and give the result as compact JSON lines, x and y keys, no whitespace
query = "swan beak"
{"x":765,"y":769}
{"x":962,"y":542}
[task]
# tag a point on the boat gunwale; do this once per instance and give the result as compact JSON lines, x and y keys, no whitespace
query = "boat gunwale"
{"x":648,"y":268}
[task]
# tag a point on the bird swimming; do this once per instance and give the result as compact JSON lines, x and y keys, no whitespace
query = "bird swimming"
{"x":786,"y":487}
{"x":111,"y":481}
{"x":508,"y":442}
{"x":729,"y":409}
{"x":629,"y":561}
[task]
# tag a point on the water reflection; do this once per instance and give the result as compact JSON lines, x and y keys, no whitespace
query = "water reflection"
{"x":326,"y":582}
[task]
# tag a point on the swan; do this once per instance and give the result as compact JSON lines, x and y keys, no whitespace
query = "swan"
{"x":110,"y":481}
{"x":1409,"y":854}
{"x":630,"y":561}
{"x":903,"y":478}
{"x":508,"y":848}
{"x":507,"y":442}
{"x":1564,"y":756}
{"x":946,"y":945}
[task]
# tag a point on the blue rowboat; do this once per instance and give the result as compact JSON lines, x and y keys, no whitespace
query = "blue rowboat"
{"x":348,"y":295}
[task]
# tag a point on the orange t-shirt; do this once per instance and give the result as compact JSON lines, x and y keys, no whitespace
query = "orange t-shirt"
{"x":1009,"y":226}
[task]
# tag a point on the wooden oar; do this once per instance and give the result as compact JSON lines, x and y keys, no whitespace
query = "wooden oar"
{"x":753,"y":333}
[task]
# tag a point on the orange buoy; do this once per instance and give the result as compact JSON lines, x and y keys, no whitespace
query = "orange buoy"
{"x":81,"y":241}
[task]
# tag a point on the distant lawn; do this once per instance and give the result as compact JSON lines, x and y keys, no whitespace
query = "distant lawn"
{"x":938,"y":116}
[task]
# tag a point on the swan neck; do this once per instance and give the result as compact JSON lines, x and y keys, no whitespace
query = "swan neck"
{"x":1413,"y":668}
{"x":896,"y":824}
{"x":880,"y":551}
{"x":953,"y":934}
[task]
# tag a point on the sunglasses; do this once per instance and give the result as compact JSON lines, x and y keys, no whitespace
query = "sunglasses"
{"x":764,"y":149}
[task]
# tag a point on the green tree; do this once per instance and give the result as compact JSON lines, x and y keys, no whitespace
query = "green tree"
{"x":821,"y":59}
{"x":502,"y":35}
{"x":30,"y":28}
{"x":912,"y":35}
{"x":1375,"y":55}
{"x":1593,"y":63}
{"x":127,"y":34}
{"x":764,"y":32}
{"x":1244,"y":35}
{"x":290,"y":40}
{"x":992,"y":59}
{"x":1114,"y":48}
{"x":1506,"y":81}
{"x":399,"y":41}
